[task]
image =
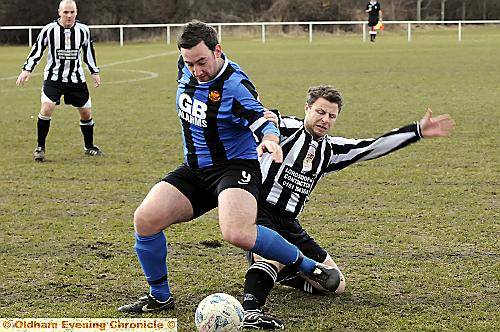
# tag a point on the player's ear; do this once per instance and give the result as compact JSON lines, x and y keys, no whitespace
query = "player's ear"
{"x":306,"y":108}
{"x":218,"y":51}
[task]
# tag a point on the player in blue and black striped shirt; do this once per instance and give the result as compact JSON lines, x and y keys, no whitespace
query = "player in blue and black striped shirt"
{"x":220,"y":115}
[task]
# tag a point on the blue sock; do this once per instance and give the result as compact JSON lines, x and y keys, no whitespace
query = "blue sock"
{"x":152,"y":254}
{"x":271,"y":245}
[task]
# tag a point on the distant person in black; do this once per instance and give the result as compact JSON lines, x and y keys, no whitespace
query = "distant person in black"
{"x":374,"y":16}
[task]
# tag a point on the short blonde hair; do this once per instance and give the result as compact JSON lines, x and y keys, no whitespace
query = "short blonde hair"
{"x":66,"y":1}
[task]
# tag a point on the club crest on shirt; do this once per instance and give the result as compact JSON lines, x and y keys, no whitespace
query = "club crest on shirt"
{"x":308,"y":161}
{"x":214,"y":96}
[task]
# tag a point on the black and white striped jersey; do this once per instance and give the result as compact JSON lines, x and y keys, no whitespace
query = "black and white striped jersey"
{"x":287,"y":186}
{"x":65,"y":50}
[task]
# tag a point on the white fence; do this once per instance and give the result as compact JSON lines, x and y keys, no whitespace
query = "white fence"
{"x":263,"y":26}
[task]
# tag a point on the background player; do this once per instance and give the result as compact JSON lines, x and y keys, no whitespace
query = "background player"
{"x":66,"y":40}
{"x":374,"y":16}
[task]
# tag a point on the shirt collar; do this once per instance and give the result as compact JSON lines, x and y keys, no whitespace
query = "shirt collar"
{"x":223,"y":68}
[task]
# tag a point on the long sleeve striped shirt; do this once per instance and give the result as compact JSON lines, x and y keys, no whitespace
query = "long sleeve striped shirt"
{"x":287,"y":186}
{"x":220,"y":118}
{"x":66,"y":47}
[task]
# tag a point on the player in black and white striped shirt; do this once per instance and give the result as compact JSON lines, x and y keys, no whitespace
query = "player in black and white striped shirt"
{"x":66,"y":40}
{"x":309,"y":153}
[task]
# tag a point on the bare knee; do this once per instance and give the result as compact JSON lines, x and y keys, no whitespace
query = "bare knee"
{"x":238,"y":237}
{"x":163,"y":206}
{"x":85,"y":113}
{"x":342,"y":285}
{"x":145,"y":223}
{"x":47,"y":109}
{"x":237,"y":213}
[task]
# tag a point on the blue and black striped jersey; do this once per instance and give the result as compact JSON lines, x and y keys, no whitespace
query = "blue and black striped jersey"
{"x":220,"y":118}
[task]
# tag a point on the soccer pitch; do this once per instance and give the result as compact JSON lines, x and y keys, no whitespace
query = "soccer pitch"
{"x":415,"y":233}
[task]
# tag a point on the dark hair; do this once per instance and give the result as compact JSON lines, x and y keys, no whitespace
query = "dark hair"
{"x":195,"y":32}
{"x":327,"y":92}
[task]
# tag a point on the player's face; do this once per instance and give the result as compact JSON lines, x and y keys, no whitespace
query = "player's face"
{"x":67,"y":14}
{"x":320,"y":117}
{"x":202,"y":62}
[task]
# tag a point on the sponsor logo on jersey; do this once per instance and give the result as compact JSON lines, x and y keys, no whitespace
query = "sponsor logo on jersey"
{"x":214,"y":96}
{"x":192,"y":110}
{"x":295,"y":181}
{"x":71,"y":54}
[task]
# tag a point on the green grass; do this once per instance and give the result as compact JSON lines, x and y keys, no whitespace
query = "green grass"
{"x":416,"y":233}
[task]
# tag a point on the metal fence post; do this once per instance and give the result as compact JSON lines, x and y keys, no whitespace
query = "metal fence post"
{"x":219,"y":32}
{"x":168,"y":34}
{"x":310,"y":33}
{"x":30,"y":37}
{"x":409,"y":31}
{"x":263,"y":31}
{"x":121,"y":35}
{"x":460,"y":31}
{"x":364,"y":32}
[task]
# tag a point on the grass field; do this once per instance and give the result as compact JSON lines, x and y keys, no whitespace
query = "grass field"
{"x":416,"y":233}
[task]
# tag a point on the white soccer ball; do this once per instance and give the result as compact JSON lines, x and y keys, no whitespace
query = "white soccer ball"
{"x":219,"y":312}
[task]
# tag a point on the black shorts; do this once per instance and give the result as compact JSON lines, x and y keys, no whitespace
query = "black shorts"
{"x":292,"y":231}
{"x":372,"y":21}
{"x":76,"y":94}
{"x":202,"y":186}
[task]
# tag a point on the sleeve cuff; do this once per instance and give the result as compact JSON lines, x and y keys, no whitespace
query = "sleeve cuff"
{"x":271,"y":130}
{"x":418,"y":130}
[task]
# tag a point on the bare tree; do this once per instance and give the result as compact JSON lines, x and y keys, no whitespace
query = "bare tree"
{"x":39,"y":12}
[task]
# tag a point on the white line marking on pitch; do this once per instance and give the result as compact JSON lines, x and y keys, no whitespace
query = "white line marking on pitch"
{"x":107,"y":64}
{"x":149,"y":75}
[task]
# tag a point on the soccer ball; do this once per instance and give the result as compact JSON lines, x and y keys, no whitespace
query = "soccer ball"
{"x":219,"y":312}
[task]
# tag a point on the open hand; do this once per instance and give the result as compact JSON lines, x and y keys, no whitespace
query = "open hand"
{"x":440,"y":126}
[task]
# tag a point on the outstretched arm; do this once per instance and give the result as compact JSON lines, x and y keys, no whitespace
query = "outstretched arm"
{"x":352,"y":150}
{"x":440,"y":126}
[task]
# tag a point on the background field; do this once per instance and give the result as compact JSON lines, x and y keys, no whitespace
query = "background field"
{"x":416,"y":233}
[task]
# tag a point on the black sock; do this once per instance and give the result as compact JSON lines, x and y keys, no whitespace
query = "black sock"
{"x":87,"y":127}
{"x":299,"y":283}
{"x":42,"y":126}
{"x":259,"y":281}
